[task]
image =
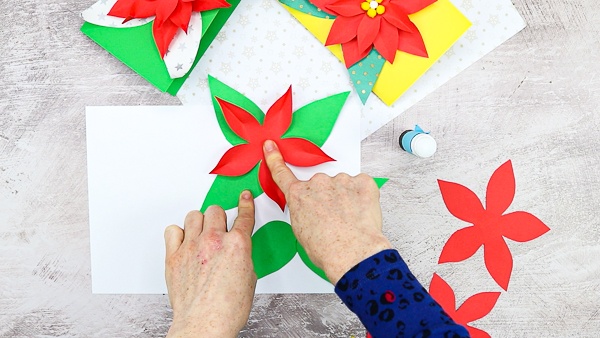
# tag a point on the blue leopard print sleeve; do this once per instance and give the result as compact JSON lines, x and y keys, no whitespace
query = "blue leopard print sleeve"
{"x":390,"y":301}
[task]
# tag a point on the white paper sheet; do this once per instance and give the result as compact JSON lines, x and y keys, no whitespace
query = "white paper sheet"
{"x":263,"y":46}
{"x":148,"y":166}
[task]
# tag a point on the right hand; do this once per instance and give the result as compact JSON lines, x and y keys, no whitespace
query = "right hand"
{"x":337,"y":220}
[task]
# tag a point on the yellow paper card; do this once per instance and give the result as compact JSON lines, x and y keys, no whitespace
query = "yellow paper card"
{"x":440,"y":24}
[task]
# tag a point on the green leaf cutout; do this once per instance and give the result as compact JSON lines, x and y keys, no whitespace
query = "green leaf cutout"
{"x":226,"y":93}
{"x":380,"y":181}
{"x":273,"y":246}
{"x":306,"y":7}
{"x":225,"y":190}
{"x":365,"y":73}
{"x":312,"y":123}
{"x":304,"y":256}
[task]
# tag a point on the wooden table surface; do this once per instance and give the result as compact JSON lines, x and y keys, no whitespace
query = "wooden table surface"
{"x":533,"y":100}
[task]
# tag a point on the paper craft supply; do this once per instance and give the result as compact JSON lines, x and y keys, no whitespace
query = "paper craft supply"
{"x":418,"y":142}
{"x":160,"y":40}
{"x":149,"y":166}
{"x":266,"y":44}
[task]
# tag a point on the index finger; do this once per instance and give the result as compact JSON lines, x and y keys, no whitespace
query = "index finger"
{"x":282,"y":175}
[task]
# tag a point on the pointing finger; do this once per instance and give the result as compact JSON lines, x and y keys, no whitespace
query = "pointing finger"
{"x":245,"y":219}
{"x":282,"y":175}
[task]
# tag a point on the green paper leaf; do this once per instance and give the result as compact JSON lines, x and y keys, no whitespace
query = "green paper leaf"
{"x":304,"y":256}
{"x":380,"y":181}
{"x":225,"y":190}
{"x":364,"y":74}
{"x":306,"y":7}
{"x":226,"y":93}
{"x":311,"y":123}
{"x":273,"y":246}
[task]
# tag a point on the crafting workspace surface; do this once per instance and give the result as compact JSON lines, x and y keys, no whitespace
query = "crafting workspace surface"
{"x":533,"y":101}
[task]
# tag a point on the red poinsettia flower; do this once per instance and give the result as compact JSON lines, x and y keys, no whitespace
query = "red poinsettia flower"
{"x":475,"y":307}
{"x":170,"y":15}
{"x":489,"y":225}
{"x":240,"y":159}
{"x":361,"y":24}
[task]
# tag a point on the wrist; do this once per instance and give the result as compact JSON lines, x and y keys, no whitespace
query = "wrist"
{"x":200,"y":328}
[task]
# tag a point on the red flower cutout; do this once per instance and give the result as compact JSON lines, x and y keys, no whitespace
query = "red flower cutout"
{"x":361,"y":24}
{"x":170,"y":15}
{"x":475,"y":307}
{"x":240,"y":159}
{"x":489,"y":225}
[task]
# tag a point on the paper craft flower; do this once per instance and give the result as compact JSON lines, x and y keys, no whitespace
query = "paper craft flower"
{"x":242,"y":158}
{"x":490,"y":225}
{"x":361,"y":25}
{"x":171,"y":15}
{"x":475,"y":307}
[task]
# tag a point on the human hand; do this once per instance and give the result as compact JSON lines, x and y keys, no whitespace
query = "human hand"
{"x":336,"y":219}
{"x":209,"y":272}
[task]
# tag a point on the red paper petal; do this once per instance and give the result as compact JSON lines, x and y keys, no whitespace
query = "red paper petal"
{"x":386,"y":42}
{"x":164,"y":9}
{"x":322,"y":4}
{"x":343,"y":30}
{"x":163,"y":35}
{"x":269,"y":186}
{"x":352,"y":54}
{"x":345,"y":8}
{"x":477,"y":306}
{"x":279,"y":116}
{"x":522,"y":226}
{"x":443,"y":294}
{"x":498,"y":261}
{"x":129,"y":9}
{"x":477,"y":333}
{"x":302,"y":153}
{"x":368,"y":29}
{"x":414,"y":6}
{"x":461,"y":201}
{"x":238,"y":160}
{"x":240,"y":121}
{"x":398,"y":17}
{"x":207,"y":5}
{"x":181,"y":15}
{"x":412,"y":43}
{"x":461,"y":245}
{"x":500,"y":190}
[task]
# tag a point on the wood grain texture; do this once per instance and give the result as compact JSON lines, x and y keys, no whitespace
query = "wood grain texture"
{"x":533,"y":100}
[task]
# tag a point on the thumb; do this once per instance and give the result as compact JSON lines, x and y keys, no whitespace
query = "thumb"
{"x":281,"y":173}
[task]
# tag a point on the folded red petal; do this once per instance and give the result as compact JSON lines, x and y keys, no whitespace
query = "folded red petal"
{"x":138,"y":9}
{"x":207,"y":5}
{"x":238,"y":161}
{"x":500,"y":189}
{"x":368,"y":29}
{"x":386,"y":42}
{"x":163,"y":35}
{"x":343,"y":30}
{"x":477,"y":333}
{"x":477,"y":306}
{"x":461,"y":201}
{"x":461,"y":245}
{"x":278,"y":117}
{"x":345,"y":8}
{"x":181,"y":15}
{"x":443,"y":294}
{"x":412,"y":43}
{"x":498,"y":261}
{"x":269,"y":186}
{"x":522,"y":226}
{"x":240,"y":121}
{"x":397,"y":16}
{"x":164,"y":9}
{"x":352,"y":54}
{"x":413,"y":6}
{"x":302,"y":153}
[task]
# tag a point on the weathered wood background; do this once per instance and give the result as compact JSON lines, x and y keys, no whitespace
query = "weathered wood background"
{"x":533,"y":100}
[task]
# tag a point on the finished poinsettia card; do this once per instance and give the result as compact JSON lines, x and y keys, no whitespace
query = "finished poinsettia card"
{"x":148,"y":166}
{"x":162,"y":40}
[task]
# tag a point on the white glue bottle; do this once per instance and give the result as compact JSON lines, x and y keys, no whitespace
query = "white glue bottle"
{"x":418,"y":142}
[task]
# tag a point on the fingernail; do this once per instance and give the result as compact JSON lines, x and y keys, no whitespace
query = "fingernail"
{"x":269,"y":146}
{"x":246,"y":195}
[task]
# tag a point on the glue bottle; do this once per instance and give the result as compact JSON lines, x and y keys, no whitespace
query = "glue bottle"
{"x":418,"y":142}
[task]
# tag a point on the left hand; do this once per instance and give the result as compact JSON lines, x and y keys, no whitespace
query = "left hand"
{"x":209,"y":272}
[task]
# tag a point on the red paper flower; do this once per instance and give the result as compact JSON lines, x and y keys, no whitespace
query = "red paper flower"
{"x":490,"y":226}
{"x":361,"y":24}
{"x":240,"y":159}
{"x":474,"y":308}
{"x":170,"y":15}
